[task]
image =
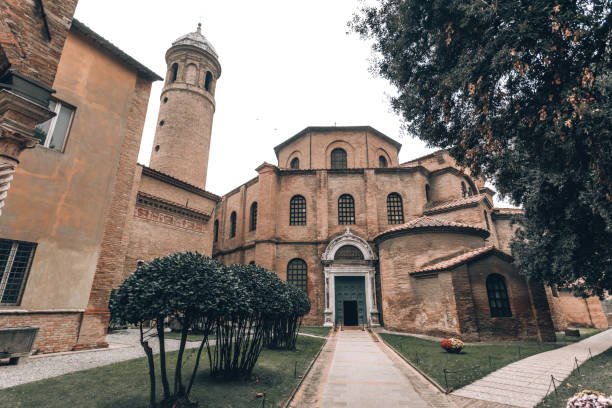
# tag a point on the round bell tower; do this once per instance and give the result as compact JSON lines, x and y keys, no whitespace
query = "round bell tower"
{"x":187,"y":107}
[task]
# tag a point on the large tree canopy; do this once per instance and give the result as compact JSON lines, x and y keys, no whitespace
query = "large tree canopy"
{"x":518,"y":91}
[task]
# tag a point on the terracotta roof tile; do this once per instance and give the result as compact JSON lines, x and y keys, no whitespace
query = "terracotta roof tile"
{"x":448,"y":205}
{"x":457,"y":260}
{"x":430,"y":222}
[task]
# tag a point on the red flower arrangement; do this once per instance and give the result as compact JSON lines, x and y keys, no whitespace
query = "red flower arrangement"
{"x":452,"y":345}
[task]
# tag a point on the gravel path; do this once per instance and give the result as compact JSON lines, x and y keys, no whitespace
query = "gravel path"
{"x":124,"y":345}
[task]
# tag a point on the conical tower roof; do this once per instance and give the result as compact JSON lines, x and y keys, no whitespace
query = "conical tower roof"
{"x":196,"y":39}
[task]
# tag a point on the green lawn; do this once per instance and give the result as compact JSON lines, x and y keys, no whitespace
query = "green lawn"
{"x":190,"y":337}
{"x":584,"y":333}
{"x":474,"y":362}
{"x":315,"y":330}
{"x":595,"y":374}
{"x":126,"y":384}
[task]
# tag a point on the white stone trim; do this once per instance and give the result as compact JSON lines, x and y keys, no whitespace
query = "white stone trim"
{"x":348,"y":238}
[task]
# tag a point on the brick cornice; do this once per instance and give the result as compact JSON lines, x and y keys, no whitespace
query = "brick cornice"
{"x":158,"y":175}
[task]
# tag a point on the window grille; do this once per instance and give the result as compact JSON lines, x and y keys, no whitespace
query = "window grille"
{"x":338,"y":159}
{"x":297,"y":274}
{"x":297,"y":210}
{"x":208,"y":81}
{"x":253,"y":225}
{"x":395,"y":209}
{"x":233,"y":224}
{"x":15,"y":261}
{"x":216,"y":230}
{"x":382,"y":162}
{"x":349,"y":252}
{"x":498,"y":296}
{"x":295,"y":163}
{"x":346,"y":209}
{"x":52,"y":133}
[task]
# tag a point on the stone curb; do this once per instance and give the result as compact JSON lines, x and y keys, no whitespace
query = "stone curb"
{"x":428,"y":378}
{"x":299,"y":383}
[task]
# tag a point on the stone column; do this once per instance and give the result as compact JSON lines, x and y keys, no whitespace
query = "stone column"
{"x":18,"y":119}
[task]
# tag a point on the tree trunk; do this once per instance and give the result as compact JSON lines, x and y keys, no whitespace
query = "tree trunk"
{"x":162,"y":356}
{"x":149,"y":352}
{"x":179,"y":388}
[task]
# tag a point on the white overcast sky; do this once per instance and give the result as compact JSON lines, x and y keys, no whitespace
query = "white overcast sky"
{"x":285,"y":65}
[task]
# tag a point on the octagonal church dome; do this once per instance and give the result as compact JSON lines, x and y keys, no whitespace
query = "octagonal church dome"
{"x":196,"y":39}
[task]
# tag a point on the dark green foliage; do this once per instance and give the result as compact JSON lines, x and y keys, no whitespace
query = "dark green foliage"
{"x":520,"y":92}
{"x":187,"y":286}
{"x":286,"y":324}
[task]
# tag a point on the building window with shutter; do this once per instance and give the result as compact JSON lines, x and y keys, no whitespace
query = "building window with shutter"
{"x":253,"y":224}
{"x":395,"y":209}
{"x":15,"y":262}
{"x":338,"y":159}
{"x":53,"y":133}
{"x":498,"y":296}
{"x":297,"y":274}
{"x":233,"y":224}
{"x":346,"y":209}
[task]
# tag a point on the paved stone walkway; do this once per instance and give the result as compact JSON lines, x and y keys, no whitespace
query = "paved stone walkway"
{"x":356,"y":371}
{"x":524,"y":383}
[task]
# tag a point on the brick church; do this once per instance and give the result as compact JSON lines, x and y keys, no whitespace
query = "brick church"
{"x":415,"y":246}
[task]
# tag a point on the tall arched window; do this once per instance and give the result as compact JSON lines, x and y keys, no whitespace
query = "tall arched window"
{"x":297,"y":210}
{"x":427,"y":193}
{"x":349,"y":253}
{"x":233,"y":224}
{"x":464,"y":191}
{"x":208,"y":81}
{"x":382,"y":162}
{"x":486,"y":217}
{"x":498,"y":296}
{"x":295,"y":163}
{"x":346,"y":209}
{"x":297,"y":274}
{"x":216,"y":230}
{"x":395,"y":209}
{"x":253,"y":224}
{"x":338,"y":159}
{"x":173,"y":72}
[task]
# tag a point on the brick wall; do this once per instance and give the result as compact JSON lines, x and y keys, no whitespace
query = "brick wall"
{"x":24,"y":44}
{"x":577,"y":311}
{"x":110,"y":266}
{"x":57,"y":331}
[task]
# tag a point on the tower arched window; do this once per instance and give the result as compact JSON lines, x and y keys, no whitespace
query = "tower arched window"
{"x":173,"y":72}
{"x":297,"y":210}
{"x":382,"y":162}
{"x":427,"y":193}
{"x":253,"y":224}
{"x":208,"y":80}
{"x":464,"y":191}
{"x":395,"y":209}
{"x":295,"y":163}
{"x":297,"y":274}
{"x":486,"y":217}
{"x":233,"y":224}
{"x":498,"y":296}
{"x":338,"y":159}
{"x":348,"y":253}
{"x":346,"y":209}
{"x":216,"y":232}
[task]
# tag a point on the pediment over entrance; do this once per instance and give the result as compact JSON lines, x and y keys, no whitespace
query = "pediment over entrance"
{"x":348,"y":238}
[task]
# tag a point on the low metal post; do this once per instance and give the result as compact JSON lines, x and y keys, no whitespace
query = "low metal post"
{"x":445,"y":378}
{"x":552,"y":378}
{"x":577,"y":365}
{"x":263,"y":402}
{"x":295,"y":369}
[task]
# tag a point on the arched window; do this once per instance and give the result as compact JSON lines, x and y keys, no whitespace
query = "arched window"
{"x":295,"y":163}
{"x":349,"y":253}
{"x":427,"y":193}
{"x":216,"y":230}
{"x":395,"y":209}
{"x":464,"y":191}
{"x":191,"y":74}
{"x":297,"y":210}
{"x":297,"y":274}
{"x":253,"y":224}
{"x":233,"y":224}
{"x":382,"y":162}
{"x":346,"y":209}
{"x":208,"y":81}
{"x":338,"y":159}
{"x":173,"y":72}
{"x":498,"y":296}
{"x":252,"y":263}
{"x":486,"y":217}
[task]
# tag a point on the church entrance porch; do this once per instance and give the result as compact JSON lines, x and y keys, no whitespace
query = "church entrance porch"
{"x":350,"y":292}
{"x":350,"y":300}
